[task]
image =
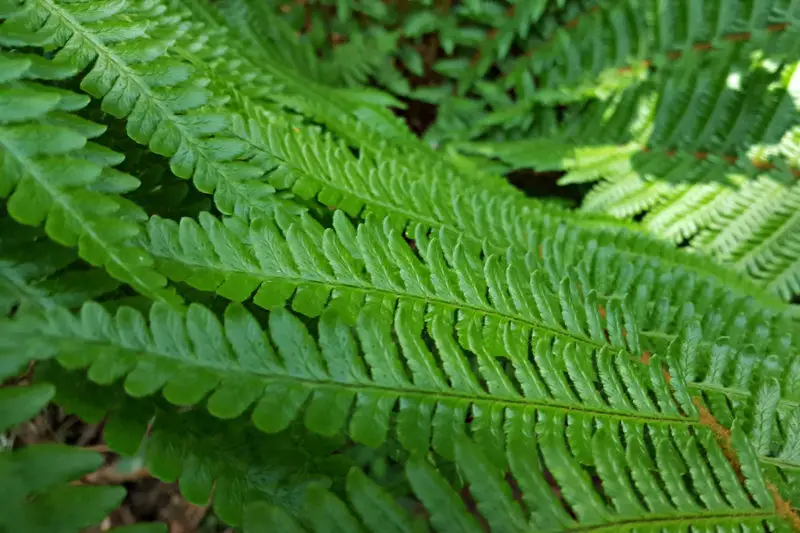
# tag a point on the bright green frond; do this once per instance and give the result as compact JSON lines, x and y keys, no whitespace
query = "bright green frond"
{"x":53,"y":175}
{"x":319,"y":167}
{"x":135,"y":70}
{"x":355,"y":377}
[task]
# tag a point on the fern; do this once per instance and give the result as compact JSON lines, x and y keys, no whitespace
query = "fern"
{"x":190,"y":357}
{"x":336,"y":177}
{"x":695,"y":152}
{"x":221,"y":247}
{"x":616,"y":502}
{"x":67,"y":182}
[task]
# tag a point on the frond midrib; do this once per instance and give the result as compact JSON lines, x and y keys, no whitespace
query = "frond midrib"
{"x":784,"y":405}
{"x":780,"y":463}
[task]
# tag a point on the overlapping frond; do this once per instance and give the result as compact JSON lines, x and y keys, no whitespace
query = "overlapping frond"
{"x":276,"y":262}
{"x":266,"y":79}
{"x":321,"y":168}
{"x":636,"y":481}
{"x":54,"y":175}
{"x":194,"y":355}
{"x":199,"y":147}
{"x":534,"y":368}
{"x":36,"y":274}
{"x":124,"y":48}
{"x":758,"y":232}
{"x":445,"y":376}
{"x":610,"y":39}
{"x":307,"y":264}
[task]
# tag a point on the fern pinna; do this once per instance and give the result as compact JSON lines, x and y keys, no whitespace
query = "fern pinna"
{"x":271,"y":291}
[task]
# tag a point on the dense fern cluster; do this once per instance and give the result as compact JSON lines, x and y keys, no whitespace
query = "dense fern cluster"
{"x":702,"y":146}
{"x":219,"y":244}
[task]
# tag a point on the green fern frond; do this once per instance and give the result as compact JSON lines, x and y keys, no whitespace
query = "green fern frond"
{"x":758,"y":233}
{"x":694,"y":153}
{"x":261,"y":27}
{"x":534,"y":368}
{"x":548,"y":489}
{"x":203,"y":162}
{"x":36,"y":274}
{"x":321,"y":168}
{"x":438,"y":395}
{"x":615,"y":35}
{"x":337,"y":109}
{"x":438,"y":268}
{"x":172,"y":114}
{"x":281,"y":265}
{"x":52,"y":174}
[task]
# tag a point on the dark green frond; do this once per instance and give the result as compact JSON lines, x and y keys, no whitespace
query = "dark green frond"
{"x":36,"y":274}
{"x":636,"y":481}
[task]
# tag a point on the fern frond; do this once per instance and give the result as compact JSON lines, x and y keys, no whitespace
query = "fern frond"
{"x":174,"y":115}
{"x":330,"y":385}
{"x":337,"y":109}
{"x":323,"y":169}
{"x":192,"y":356}
{"x":193,"y":153}
{"x":52,"y":174}
{"x":694,"y":152}
{"x":640,"y":481}
{"x":281,"y":263}
{"x":758,"y":233}
{"x":36,"y":274}
{"x":261,"y":27}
